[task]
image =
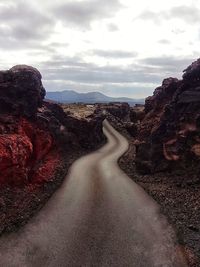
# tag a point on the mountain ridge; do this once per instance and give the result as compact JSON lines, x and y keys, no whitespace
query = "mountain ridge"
{"x":71,"y":96}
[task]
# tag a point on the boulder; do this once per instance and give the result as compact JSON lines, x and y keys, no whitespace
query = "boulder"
{"x":21,"y":90}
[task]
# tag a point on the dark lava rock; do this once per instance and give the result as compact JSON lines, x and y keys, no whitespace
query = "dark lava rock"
{"x":171,"y":126}
{"x":87,"y":132}
{"x":123,"y":118}
{"x":21,"y":90}
{"x":137,"y":113}
{"x":192,"y":72}
{"x":119,"y":110}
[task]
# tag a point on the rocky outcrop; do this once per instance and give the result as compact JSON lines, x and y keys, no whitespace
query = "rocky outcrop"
{"x":21,"y":91}
{"x":22,"y":149}
{"x":118,"y":110}
{"x":25,"y":142}
{"x":137,"y":113}
{"x":121,"y":116}
{"x":169,"y":135}
{"x":85,"y":133}
{"x":35,"y":136}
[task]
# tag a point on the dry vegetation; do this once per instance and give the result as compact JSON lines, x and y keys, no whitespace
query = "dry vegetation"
{"x":79,"y":110}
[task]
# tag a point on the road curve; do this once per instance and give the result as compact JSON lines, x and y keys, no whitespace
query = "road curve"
{"x":99,"y":217}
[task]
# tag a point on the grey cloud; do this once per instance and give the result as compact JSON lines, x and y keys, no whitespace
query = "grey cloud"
{"x":8,"y":43}
{"x":14,"y":12}
{"x":178,"y":31}
{"x":114,"y":53}
{"x":77,"y":71}
{"x":24,"y":22}
{"x":170,"y":64}
{"x":82,"y":14}
{"x":58,"y":44}
{"x":149,"y":71}
{"x":189,"y":14}
{"x":73,"y":73}
{"x":130,"y":90}
{"x":149,"y":15}
{"x":112,"y":27}
{"x":164,"y":41}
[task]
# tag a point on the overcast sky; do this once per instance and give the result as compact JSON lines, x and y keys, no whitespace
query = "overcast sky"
{"x":117,"y":47}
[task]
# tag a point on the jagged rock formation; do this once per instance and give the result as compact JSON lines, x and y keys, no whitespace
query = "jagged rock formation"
{"x":137,"y":113}
{"x":169,"y":134}
{"x":123,"y":117}
{"x":119,"y":110}
{"x":34,"y":133}
{"x":82,"y":133}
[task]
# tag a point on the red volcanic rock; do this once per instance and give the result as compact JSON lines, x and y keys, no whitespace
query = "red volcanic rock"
{"x":21,"y":151}
{"x":41,"y":140}
{"x":46,"y":168}
{"x":171,"y":126}
{"x":15,"y":152}
{"x":25,"y":141}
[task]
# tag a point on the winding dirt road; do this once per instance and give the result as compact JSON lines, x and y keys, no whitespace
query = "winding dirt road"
{"x":99,"y":217}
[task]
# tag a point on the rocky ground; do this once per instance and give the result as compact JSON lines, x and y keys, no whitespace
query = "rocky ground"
{"x":178,"y":197}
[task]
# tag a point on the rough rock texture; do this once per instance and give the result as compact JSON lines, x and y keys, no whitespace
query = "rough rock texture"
{"x":38,"y":142}
{"x":85,"y":133}
{"x":21,"y":150}
{"x":137,"y":113}
{"x":21,"y":90}
{"x":121,"y":116}
{"x":169,"y":135}
{"x":119,"y":110}
{"x":24,"y":141}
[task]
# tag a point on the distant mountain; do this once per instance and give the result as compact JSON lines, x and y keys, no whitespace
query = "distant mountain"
{"x":69,"y":96}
